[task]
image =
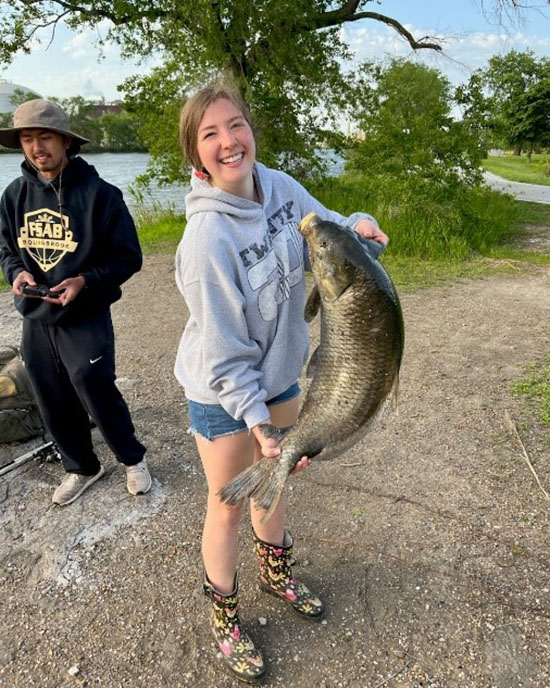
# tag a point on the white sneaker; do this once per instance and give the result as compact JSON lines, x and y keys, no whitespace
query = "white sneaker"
{"x":138,"y":478}
{"x":73,"y":486}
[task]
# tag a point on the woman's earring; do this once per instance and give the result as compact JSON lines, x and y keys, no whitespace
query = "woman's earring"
{"x":202,"y":173}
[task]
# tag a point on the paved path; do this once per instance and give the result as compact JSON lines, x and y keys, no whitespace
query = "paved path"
{"x":537,"y":193}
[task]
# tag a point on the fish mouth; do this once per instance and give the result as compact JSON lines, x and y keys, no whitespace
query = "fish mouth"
{"x":308,"y":224}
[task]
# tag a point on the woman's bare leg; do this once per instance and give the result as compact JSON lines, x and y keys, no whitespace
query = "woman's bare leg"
{"x":222,"y":459}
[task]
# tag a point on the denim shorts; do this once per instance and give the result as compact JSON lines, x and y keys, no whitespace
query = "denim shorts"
{"x":212,"y":420}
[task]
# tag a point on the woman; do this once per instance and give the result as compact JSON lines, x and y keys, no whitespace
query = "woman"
{"x":240,"y":267}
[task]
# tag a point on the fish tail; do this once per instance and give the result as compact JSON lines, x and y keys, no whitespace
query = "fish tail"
{"x":246,"y":483}
{"x":269,"y":493}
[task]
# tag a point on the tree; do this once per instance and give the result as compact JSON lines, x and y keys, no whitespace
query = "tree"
{"x":119,"y":132}
{"x":531,"y":121}
{"x":81,"y":116}
{"x":286,"y":56}
{"x":513,"y":93}
{"x":114,"y":131}
{"x":18,"y":97}
{"x":406,"y":128}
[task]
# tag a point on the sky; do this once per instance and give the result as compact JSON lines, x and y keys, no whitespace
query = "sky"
{"x":71,"y":64}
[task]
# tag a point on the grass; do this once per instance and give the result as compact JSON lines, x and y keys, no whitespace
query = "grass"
{"x":159,"y":229}
{"x":517,"y":168}
{"x":424,"y":219}
{"x":535,"y":213}
{"x":536,"y":386}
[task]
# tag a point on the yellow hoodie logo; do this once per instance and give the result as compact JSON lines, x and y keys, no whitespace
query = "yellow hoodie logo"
{"x":46,"y":236}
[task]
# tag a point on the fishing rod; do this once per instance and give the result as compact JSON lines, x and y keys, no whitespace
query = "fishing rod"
{"x":47,"y":451}
{"x":44,"y":452}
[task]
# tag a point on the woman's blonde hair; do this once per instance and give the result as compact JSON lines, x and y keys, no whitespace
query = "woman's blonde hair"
{"x":193,"y":112}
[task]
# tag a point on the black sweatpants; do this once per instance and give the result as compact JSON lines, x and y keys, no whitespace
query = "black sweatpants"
{"x":72,"y":370}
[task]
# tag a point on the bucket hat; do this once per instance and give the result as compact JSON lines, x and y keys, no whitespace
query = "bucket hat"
{"x":38,"y":114}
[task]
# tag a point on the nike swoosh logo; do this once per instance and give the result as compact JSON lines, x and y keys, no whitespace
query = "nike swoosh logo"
{"x":95,"y":360}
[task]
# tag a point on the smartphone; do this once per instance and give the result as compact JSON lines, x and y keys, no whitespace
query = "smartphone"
{"x":39,"y":290}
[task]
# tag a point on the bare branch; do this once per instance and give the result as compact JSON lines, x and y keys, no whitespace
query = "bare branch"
{"x":515,"y":434}
{"x":53,"y":23}
{"x":347,"y":14}
{"x":95,"y":11}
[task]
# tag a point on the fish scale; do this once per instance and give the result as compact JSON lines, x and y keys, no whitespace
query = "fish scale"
{"x":356,"y":365}
{"x":354,"y":351}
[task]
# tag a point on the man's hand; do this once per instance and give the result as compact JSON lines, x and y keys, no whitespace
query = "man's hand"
{"x":369,"y":230}
{"x":69,"y":288}
{"x":22,"y":278}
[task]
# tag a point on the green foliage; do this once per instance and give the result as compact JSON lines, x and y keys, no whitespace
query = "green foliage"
{"x":536,"y":213}
{"x":420,"y":168}
{"x":407,"y":129}
{"x":289,"y":59}
{"x":18,"y":97}
{"x":80,"y":112}
{"x":425,"y":223}
{"x":116,"y":130}
{"x":423,"y":219}
{"x":287,"y":69}
{"x":120,"y":132}
{"x":156,"y":100}
{"x":512,"y":94}
{"x":159,"y":229}
{"x":536,"y":386}
{"x":530,"y":122}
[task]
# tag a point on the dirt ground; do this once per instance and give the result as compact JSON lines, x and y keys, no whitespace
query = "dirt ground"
{"x":429,"y":541}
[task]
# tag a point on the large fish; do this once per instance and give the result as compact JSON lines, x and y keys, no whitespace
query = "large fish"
{"x":356,"y":364}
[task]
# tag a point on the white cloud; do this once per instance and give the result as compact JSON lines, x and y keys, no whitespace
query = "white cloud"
{"x":462,"y":54}
{"x":79,"y":46}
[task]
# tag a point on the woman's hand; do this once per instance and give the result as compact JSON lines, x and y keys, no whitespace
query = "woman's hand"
{"x":268,"y":445}
{"x":302,"y":464}
{"x":271,"y":450}
{"x":369,"y":230}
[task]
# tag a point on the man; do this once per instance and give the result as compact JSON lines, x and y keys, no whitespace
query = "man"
{"x":64,"y":228}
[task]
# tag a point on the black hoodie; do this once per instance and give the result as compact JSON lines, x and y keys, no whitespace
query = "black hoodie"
{"x":78,"y":224}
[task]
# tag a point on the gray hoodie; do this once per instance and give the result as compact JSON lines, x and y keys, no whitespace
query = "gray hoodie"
{"x":240,"y":267}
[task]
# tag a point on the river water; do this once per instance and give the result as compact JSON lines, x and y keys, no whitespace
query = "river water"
{"x":121,"y":169}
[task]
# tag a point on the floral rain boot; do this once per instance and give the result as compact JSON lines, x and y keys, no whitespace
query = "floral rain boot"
{"x":239,"y":653}
{"x":276,"y":578}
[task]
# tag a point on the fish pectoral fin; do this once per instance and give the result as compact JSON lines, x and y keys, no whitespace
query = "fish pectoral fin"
{"x":313,"y":304}
{"x":312,"y":363}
